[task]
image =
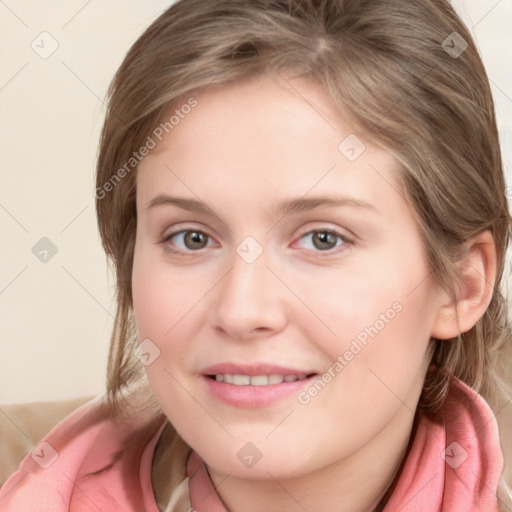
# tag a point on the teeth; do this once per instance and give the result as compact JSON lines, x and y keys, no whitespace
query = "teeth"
{"x":256,"y":380}
{"x":241,"y":380}
{"x":259,"y":380}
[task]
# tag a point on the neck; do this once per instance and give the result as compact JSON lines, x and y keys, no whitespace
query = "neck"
{"x":360,"y":483}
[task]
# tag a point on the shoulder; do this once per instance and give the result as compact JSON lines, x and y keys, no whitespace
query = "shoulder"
{"x":23,"y":425}
{"x":87,"y":451}
{"x":485,"y":435}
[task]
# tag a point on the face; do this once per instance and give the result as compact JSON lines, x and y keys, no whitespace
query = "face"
{"x":280,"y":339}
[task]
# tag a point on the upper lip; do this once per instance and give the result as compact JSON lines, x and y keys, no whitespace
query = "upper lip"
{"x":253,"y":369}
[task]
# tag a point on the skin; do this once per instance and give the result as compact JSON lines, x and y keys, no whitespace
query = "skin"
{"x":244,"y":148}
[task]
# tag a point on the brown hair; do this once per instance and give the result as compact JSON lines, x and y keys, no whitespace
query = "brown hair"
{"x":390,"y":64}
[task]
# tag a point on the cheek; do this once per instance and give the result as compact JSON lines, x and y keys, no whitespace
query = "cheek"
{"x":382,"y":317}
{"x":376,"y":371}
{"x":159,"y":298}
{"x":157,"y":302}
{"x":160,"y":308}
{"x":169,"y":311}
{"x":389,"y":304}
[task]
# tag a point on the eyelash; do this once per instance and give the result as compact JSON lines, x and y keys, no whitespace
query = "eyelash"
{"x":329,"y":252}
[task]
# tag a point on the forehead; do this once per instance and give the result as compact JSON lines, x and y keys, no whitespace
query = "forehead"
{"x":279,"y":106}
{"x":273,"y":134}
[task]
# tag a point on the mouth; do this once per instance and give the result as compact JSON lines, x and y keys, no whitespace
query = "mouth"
{"x":254,"y":386}
{"x":257,"y":380}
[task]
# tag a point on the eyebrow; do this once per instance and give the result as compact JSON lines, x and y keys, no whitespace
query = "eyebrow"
{"x":286,"y":207}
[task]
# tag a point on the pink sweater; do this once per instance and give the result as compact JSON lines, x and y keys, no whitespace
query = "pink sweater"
{"x":88,"y":463}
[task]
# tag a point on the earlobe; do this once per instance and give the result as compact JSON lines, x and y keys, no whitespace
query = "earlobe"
{"x":474,"y":289}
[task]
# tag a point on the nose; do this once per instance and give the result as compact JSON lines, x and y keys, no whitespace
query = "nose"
{"x":249,"y":300}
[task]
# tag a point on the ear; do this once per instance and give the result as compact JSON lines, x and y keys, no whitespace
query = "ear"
{"x":474,"y":290}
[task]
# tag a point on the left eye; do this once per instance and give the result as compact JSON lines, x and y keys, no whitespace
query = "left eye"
{"x":323,"y":239}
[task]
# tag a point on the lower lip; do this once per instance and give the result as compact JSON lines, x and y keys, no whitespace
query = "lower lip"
{"x":251,"y":397}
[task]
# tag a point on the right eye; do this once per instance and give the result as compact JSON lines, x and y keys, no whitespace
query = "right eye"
{"x":191,"y":240}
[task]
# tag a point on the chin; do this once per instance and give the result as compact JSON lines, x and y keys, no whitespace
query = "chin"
{"x":258,"y":460}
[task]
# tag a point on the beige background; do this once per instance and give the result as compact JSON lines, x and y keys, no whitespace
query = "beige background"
{"x":56,"y":316}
